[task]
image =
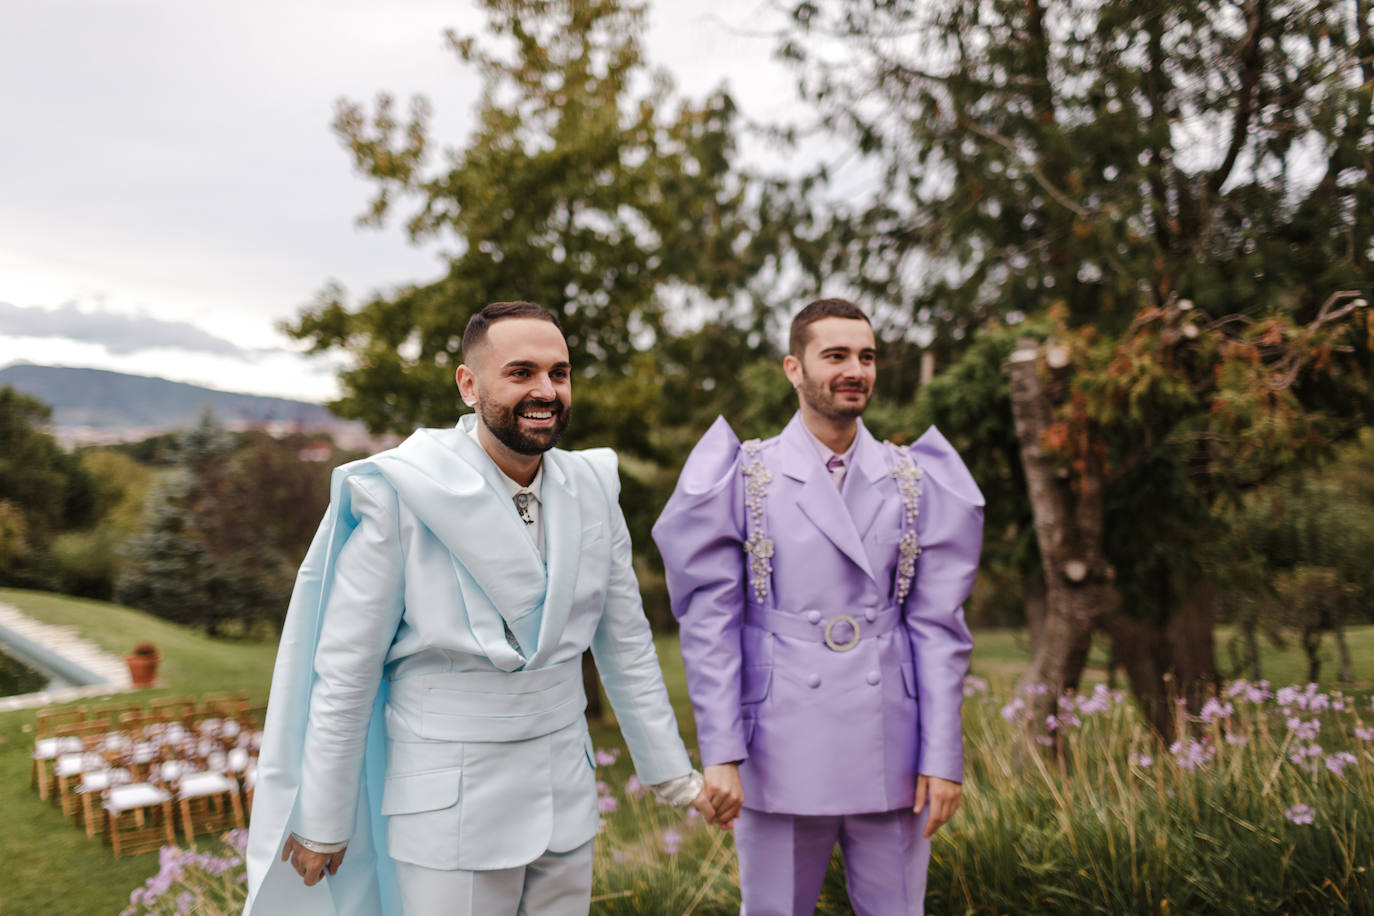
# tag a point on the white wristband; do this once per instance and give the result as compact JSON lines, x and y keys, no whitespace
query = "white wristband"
{"x":680,"y":792}
{"x":318,"y":847}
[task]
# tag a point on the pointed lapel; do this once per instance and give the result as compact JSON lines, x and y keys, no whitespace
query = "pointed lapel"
{"x":563,"y":546}
{"x":863,"y":491}
{"x":819,"y":500}
{"x":451,"y":485}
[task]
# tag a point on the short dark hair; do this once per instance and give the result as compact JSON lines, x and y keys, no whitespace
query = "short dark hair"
{"x":476,"y":330}
{"x":815,"y":311}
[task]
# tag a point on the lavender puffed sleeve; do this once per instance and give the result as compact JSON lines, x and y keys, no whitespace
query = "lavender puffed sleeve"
{"x":949,"y":529}
{"x":700,"y":535}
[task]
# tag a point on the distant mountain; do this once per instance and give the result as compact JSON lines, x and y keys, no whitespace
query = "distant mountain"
{"x":110,"y":402}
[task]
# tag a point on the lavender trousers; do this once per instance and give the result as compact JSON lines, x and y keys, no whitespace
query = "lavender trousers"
{"x":783,"y":859}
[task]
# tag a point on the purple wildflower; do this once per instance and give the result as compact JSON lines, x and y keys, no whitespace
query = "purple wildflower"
{"x":605,"y":758}
{"x":1213,"y":710}
{"x":1305,"y":756}
{"x":672,"y":841}
{"x":974,"y":685}
{"x":1192,"y":755}
{"x":605,"y":804}
{"x":602,"y":788}
{"x":1338,"y":761}
{"x":1012,"y":711}
{"x":1304,"y":730}
{"x":1300,"y":814}
{"x":1144,"y":761}
{"x":1099,"y":702}
{"x":1236,"y":739}
{"x":634,"y":788}
{"x":1364,"y":734}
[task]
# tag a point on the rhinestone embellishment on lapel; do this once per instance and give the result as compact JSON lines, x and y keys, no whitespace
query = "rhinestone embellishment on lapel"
{"x":758,"y":547}
{"x":908,"y":477}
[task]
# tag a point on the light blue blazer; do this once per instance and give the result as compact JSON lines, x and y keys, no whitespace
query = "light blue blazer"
{"x":403,"y":720}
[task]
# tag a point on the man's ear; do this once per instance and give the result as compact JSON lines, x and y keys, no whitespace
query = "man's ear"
{"x":467,"y":385}
{"x":791,"y":367}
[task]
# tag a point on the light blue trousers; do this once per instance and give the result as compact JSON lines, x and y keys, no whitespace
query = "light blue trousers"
{"x":555,"y":884}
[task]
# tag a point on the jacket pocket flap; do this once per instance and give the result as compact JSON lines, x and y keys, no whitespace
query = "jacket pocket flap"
{"x":409,"y":793}
{"x":754,"y":682}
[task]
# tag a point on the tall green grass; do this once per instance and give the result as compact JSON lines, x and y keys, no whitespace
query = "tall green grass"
{"x":1266,"y":806}
{"x":1092,"y":831}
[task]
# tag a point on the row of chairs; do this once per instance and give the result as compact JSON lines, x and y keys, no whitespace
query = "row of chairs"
{"x":126,"y":771}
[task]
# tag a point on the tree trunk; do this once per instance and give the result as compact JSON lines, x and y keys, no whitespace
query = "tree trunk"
{"x":1191,"y":647}
{"x":1033,"y":590}
{"x":1168,"y":659}
{"x":1143,"y":651}
{"x":1347,"y":673}
{"x":1068,"y":514}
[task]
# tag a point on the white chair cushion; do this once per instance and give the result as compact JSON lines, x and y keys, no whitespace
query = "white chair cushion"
{"x":70,"y":764}
{"x":51,"y":748}
{"x":134,"y":795}
{"x":198,"y":784}
{"x":99,"y":780}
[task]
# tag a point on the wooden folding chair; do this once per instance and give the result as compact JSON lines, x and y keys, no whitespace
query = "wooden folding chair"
{"x":48,"y":745}
{"x":179,"y":709}
{"x":114,"y":710}
{"x":209,"y":802}
{"x":92,"y":788}
{"x":220,"y":705}
{"x":139,"y":817}
{"x":69,"y":766}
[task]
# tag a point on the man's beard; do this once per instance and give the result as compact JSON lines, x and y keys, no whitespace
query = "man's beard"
{"x":822,"y":399}
{"x":504,"y":423}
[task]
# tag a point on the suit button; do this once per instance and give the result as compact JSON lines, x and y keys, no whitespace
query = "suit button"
{"x":813,"y":616}
{"x":871,"y":614}
{"x":874,"y":677}
{"x":814,"y":681}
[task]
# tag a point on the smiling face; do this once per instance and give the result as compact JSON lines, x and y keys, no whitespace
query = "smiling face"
{"x":520,"y":381}
{"x":835,"y":373}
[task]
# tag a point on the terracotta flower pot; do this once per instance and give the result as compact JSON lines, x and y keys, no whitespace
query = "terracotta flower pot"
{"x":142,"y":667}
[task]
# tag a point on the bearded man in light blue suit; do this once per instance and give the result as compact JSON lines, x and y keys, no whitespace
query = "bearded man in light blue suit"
{"x":426,"y":748}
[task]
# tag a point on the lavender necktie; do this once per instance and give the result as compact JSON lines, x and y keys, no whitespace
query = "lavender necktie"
{"x":836,"y":468}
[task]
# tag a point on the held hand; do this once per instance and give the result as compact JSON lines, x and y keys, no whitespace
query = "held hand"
{"x":703,"y":805}
{"x":944,"y":797}
{"x":725,"y":793}
{"x":311,"y":865}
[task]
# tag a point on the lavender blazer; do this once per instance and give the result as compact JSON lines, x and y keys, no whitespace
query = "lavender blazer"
{"x":813,"y":656}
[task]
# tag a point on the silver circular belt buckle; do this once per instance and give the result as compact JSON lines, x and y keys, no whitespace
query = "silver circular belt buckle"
{"x":830,"y":640}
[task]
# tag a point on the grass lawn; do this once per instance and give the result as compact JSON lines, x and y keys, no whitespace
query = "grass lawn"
{"x":51,"y":867}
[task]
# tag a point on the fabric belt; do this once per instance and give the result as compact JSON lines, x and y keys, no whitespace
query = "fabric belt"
{"x":840,"y":632}
{"x":491,"y":705}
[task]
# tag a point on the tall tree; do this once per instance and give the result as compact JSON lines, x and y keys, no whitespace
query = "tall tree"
{"x":586,"y":186}
{"x":43,"y":490}
{"x":1127,"y":166}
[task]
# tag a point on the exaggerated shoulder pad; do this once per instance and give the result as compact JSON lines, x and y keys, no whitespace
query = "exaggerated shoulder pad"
{"x":938,"y":459}
{"x":712,"y":460}
{"x":606,"y":466}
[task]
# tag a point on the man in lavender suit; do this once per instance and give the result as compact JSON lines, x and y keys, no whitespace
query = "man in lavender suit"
{"x":818,"y":577}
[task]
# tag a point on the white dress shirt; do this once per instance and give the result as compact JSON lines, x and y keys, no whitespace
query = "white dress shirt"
{"x":536,"y":527}
{"x":837,"y":474}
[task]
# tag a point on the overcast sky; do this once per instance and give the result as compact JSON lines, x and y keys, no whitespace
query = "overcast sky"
{"x":170,"y":187}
